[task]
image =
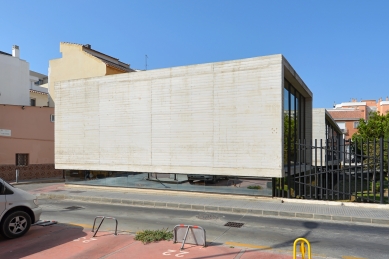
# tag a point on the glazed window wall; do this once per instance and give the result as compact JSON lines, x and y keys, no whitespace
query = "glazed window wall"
{"x":294,"y":125}
{"x":174,"y":182}
{"x":332,"y":142}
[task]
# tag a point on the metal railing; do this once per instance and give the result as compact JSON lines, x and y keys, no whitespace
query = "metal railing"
{"x":197,"y":236}
{"x":337,"y":169}
{"x":303,"y":250}
{"x":101,"y":222}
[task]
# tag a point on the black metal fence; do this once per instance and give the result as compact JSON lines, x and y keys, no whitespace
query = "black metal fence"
{"x":337,"y":170}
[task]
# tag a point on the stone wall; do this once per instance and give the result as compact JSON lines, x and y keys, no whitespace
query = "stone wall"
{"x":7,"y":172}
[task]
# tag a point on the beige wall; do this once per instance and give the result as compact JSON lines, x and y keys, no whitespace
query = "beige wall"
{"x":74,"y":64}
{"x":32,"y":132}
{"x":40,"y":99}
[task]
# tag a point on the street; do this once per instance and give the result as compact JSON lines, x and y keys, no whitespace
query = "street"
{"x":327,"y":239}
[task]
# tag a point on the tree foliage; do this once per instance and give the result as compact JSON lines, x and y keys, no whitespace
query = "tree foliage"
{"x":375,"y":127}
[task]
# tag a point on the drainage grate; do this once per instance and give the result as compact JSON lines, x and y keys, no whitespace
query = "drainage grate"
{"x":74,"y":208}
{"x":234,"y":224}
{"x":206,"y":216}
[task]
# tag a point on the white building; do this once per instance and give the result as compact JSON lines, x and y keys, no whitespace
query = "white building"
{"x":14,"y":78}
{"x":19,"y":85}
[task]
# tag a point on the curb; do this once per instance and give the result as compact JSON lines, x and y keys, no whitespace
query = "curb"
{"x":40,"y":181}
{"x":205,"y":208}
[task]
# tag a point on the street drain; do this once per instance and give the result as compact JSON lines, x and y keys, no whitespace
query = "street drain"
{"x":74,"y":208}
{"x":206,"y":216}
{"x":234,"y":224}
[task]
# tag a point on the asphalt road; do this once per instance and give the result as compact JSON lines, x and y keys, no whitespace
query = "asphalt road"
{"x":327,"y":239}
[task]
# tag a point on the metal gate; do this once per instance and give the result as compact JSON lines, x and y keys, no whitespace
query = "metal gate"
{"x":337,"y":170}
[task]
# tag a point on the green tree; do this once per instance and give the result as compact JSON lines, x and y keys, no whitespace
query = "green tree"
{"x":368,"y":137}
{"x":375,"y":127}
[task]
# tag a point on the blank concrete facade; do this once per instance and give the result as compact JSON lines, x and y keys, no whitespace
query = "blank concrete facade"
{"x":223,"y":118}
{"x":325,"y":131}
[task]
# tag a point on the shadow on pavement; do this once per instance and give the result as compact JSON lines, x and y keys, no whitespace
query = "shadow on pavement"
{"x":39,"y":239}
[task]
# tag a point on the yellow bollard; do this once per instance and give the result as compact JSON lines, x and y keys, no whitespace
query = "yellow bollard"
{"x":303,"y":241}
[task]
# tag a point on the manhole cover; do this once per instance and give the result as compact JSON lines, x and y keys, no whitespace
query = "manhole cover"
{"x":207,"y":216}
{"x":74,"y":208}
{"x":76,"y":191}
{"x":234,"y":224}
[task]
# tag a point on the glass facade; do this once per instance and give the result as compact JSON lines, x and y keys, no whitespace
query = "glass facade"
{"x":333,"y":140}
{"x":294,"y":124}
{"x":175,"y":182}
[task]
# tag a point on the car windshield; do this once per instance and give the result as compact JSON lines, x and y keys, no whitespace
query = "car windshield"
{"x":7,"y":183}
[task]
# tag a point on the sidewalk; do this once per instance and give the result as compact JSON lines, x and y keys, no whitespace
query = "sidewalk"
{"x":303,"y":209}
{"x":65,"y":241}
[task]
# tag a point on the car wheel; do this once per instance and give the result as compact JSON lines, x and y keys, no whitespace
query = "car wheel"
{"x":16,"y":224}
{"x":191,"y":181}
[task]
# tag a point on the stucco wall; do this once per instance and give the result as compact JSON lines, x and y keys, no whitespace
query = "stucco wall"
{"x":113,"y":71}
{"x":74,"y":64}
{"x":14,"y":81}
{"x":40,"y":99}
{"x":220,"y":118}
{"x":31,"y":133}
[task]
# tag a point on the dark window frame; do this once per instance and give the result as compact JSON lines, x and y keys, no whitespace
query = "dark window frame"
{"x":21,"y":159}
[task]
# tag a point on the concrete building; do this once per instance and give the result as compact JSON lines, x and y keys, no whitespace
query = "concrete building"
{"x":39,"y":93}
{"x":14,"y":78}
{"x":27,"y":142}
{"x":26,"y":132}
{"x":327,"y":136}
{"x":19,"y":85}
{"x":233,"y":118}
{"x":81,"y":61}
{"x":348,"y":114}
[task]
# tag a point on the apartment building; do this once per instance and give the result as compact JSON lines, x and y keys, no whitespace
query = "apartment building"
{"x":348,"y":114}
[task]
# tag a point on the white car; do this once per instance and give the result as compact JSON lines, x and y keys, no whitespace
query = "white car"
{"x":18,"y":210}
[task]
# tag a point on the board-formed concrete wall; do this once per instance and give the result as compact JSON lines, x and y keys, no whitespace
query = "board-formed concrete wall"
{"x":220,"y":118}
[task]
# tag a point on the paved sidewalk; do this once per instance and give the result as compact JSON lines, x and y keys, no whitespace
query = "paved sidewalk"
{"x":65,"y":241}
{"x":41,"y":180}
{"x":332,"y":211}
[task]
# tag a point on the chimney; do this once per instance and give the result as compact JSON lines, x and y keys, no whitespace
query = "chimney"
{"x":387,"y":99}
{"x":15,"y":51}
{"x":88,"y":46}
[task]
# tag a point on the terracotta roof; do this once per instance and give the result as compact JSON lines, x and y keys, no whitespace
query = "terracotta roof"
{"x":122,"y":66}
{"x":118,"y":64}
{"x":37,"y":92}
{"x":346,"y":115}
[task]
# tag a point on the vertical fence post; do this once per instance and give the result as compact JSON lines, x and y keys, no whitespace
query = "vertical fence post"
{"x":17,"y":175}
{"x":356,"y":169}
{"x":316,"y":178}
{"x":374,"y":170}
{"x":362,"y":174}
{"x":381,"y":170}
{"x":368,"y":169}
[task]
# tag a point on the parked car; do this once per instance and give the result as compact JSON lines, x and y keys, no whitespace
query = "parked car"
{"x":205,"y":177}
{"x":18,"y":210}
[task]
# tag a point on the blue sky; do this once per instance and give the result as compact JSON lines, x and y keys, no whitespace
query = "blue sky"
{"x":339,"y":48}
